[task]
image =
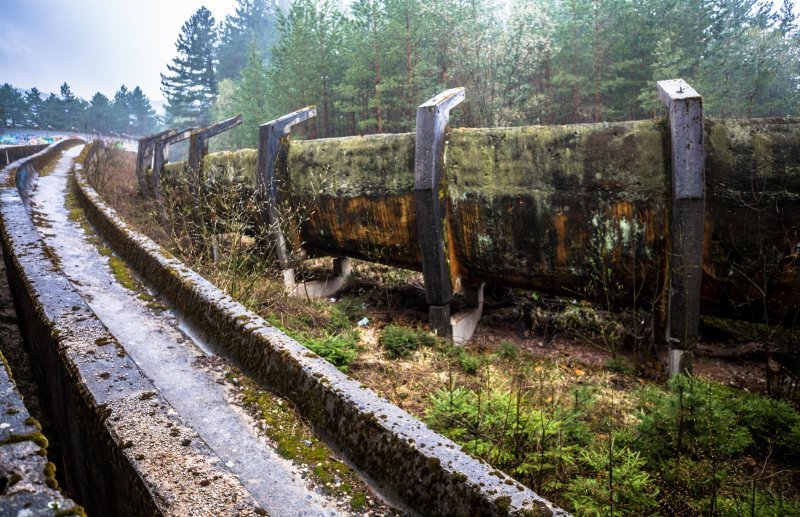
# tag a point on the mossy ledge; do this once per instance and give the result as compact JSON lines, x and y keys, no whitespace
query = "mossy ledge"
{"x":100,"y":420}
{"x":30,"y":478}
{"x":427,"y":471}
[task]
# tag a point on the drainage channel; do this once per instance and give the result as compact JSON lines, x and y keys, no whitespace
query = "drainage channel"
{"x":173,"y":360}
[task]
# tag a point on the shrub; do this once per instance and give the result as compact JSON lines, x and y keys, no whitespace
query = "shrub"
{"x":469,"y":363}
{"x":773,"y":425}
{"x":693,"y":420}
{"x":615,"y":482}
{"x":502,"y":425}
{"x":403,"y":341}
{"x":508,"y":350}
{"x":338,"y":349}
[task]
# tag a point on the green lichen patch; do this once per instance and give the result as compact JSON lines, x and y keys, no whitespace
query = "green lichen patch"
{"x":77,"y":511}
{"x":50,"y":475}
{"x":36,"y":437}
{"x":352,"y":166}
{"x":122,"y":273}
{"x":295,"y":440}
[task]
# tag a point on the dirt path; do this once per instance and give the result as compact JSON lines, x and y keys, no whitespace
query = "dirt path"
{"x":172,"y":360}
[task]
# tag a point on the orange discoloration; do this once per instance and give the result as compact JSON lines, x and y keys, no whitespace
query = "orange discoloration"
{"x":621,"y":209}
{"x":560,"y":223}
{"x":452,"y":256}
{"x":382,"y":228}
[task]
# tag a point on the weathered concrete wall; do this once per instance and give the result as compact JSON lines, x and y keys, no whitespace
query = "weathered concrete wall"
{"x":555,"y":208}
{"x":27,"y":480}
{"x":429,"y":472}
{"x":12,"y":153}
{"x":114,"y":428}
{"x":752,"y":254}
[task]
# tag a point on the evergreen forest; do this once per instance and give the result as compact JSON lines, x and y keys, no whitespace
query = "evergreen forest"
{"x":367,"y":65}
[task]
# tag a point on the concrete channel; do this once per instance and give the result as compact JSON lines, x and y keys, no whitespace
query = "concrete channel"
{"x":148,"y":424}
{"x":169,"y":358}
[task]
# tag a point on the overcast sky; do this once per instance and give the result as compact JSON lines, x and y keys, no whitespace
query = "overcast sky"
{"x":93,"y":45}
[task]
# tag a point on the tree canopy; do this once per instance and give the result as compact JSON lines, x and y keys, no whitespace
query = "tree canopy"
{"x":190,"y":87}
{"x":128,"y":112}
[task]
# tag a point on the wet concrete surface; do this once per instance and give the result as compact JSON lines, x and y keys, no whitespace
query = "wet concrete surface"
{"x":169,"y":357}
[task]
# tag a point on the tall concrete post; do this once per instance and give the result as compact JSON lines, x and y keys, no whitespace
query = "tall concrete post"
{"x":432,"y":125}
{"x":160,"y":148}
{"x":687,"y":209}
{"x":144,"y":159}
{"x":198,"y":149}
{"x":271,"y":156}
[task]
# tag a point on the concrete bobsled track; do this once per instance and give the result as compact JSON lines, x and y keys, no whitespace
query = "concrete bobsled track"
{"x":551,"y":207}
{"x":429,"y":473}
{"x":145,"y":430}
{"x":12,"y":153}
{"x":125,"y":448}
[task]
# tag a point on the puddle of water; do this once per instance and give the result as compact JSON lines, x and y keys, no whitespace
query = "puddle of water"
{"x":167,"y":357}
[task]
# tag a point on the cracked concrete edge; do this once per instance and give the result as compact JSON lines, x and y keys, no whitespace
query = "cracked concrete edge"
{"x":25,"y":474}
{"x":428,"y":471}
{"x":114,"y":427}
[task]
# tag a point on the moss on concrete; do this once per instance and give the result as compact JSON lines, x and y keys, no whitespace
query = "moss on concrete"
{"x":77,"y":511}
{"x":36,"y":437}
{"x":296,"y":441}
{"x":122,"y":273}
{"x":352,"y":166}
{"x":627,"y":156}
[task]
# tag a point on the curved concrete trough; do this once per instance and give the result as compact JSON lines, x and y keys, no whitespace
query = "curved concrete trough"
{"x":122,"y":453}
{"x":12,"y":153}
{"x":551,"y":208}
{"x":429,"y":473}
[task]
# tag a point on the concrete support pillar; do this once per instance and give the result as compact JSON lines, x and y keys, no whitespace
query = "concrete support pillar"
{"x":198,"y":149}
{"x":272,"y":148}
{"x":687,"y":208}
{"x":432,"y":120}
{"x":144,"y":159}
{"x":160,"y":149}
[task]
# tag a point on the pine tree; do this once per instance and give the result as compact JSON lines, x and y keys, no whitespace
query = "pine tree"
{"x":365,"y":43}
{"x":225,"y":108}
{"x":121,"y":110}
{"x":251,"y":97}
{"x":191,"y":85}
{"x":99,"y":114}
{"x":71,"y":110}
{"x":52,"y":114}
{"x":253,"y":21}
{"x":33,"y":101}
{"x":305,"y":65}
{"x":12,"y":106}
{"x":143,"y":117}
{"x":407,"y":71}
{"x":518,"y":89}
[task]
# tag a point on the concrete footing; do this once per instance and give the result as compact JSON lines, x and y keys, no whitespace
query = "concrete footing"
{"x":319,"y":289}
{"x":464,"y":322}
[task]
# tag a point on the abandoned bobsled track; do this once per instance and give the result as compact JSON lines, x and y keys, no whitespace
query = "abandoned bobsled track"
{"x":144,"y":429}
{"x":701,"y":215}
